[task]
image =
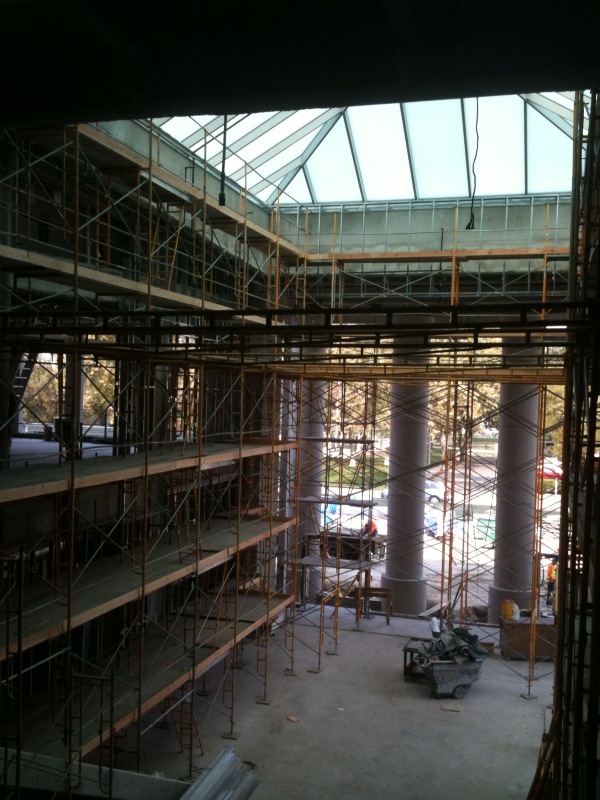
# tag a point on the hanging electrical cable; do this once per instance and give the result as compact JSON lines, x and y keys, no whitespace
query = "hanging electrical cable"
{"x":222,"y":192}
{"x":471,"y":222}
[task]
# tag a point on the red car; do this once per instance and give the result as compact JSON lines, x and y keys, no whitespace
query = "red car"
{"x":551,"y":468}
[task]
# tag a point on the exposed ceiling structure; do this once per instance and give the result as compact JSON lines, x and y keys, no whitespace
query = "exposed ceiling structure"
{"x":81,"y":61}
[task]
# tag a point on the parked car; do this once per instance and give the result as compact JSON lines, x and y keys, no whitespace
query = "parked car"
{"x":490,"y":432}
{"x":434,"y":491}
{"x":551,"y":468}
{"x":456,"y":526}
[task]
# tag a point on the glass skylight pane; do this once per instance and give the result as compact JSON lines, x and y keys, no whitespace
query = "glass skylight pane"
{"x":232,"y":164}
{"x":563,"y":100}
{"x":284,"y":129}
{"x":203,"y":119}
{"x":295,"y":122}
{"x":246,"y":125}
{"x":248,"y":128}
{"x":257,"y":148}
{"x":274,"y":165}
{"x":436,"y":143}
{"x":180,"y":127}
{"x":297,"y":191}
{"x":269,"y":195}
{"x":265,"y":194}
{"x":331,"y":169}
{"x":213,"y":147}
{"x":500,"y":163}
{"x":378,"y":136}
{"x":549,"y":155}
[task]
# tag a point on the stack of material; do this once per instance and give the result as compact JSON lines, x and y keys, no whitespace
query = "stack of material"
{"x":456,"y":645}
{"x":229,"y":777}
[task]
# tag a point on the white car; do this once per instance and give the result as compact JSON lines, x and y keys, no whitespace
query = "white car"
{"x":434,"y":492}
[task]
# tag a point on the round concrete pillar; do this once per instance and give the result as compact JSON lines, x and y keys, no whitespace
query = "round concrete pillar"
{"x":515,"y":498}
{"x":409,"y":436}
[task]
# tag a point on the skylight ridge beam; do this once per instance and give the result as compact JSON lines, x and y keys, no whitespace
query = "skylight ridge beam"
{"x":411,"y":163}
{"x":309,"y":184}
{"x":354,"y":155}
{"x":268,"y":180}
{"x":280,"y":188}
{"x":302,"y":159}
{"x":554,"y":112}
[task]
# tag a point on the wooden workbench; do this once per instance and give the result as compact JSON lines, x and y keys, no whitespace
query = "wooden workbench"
{"x":515,"y":636}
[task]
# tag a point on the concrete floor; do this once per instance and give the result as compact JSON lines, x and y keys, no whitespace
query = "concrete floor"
{"x":357,"y":729}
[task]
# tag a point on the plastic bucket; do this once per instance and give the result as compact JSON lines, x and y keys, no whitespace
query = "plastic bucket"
{"x":506,"y":609}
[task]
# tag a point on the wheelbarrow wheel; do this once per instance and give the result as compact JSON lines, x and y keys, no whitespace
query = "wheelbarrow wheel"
{"x":459,"y":692}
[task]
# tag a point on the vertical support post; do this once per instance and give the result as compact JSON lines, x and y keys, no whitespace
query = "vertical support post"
{"x":516,"y":477}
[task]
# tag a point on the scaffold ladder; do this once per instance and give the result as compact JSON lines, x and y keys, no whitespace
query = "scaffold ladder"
{"x":181,"y":704}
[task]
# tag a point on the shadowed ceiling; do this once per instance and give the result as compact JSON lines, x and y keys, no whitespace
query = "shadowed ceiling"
{"x":79,"y":60}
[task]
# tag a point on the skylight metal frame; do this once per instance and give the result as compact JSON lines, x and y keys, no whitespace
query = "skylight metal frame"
{"x":256,"y":176}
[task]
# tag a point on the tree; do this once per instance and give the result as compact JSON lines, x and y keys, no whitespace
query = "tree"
{"x":40,"y":400}
{"x":98,"y":393}
{"x":41,"y":397}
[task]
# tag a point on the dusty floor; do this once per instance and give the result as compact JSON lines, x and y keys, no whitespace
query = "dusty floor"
{"x":347,"y":724}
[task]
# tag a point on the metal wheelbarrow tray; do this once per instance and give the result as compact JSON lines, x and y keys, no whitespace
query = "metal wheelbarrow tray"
{"x":451,"y":678}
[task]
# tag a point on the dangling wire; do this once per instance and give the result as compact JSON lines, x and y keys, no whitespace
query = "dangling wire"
{"x":222,"y":191}
{"x":471,"y":222}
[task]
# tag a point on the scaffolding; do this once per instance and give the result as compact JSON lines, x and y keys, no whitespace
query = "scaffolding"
{"x":567,"y":764}
{"x":228,"y":475}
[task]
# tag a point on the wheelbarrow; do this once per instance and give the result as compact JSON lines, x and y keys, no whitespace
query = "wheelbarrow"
{"x":451,"y":678}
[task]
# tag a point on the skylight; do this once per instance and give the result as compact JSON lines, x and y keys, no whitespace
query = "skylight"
{"x":490,"y":146}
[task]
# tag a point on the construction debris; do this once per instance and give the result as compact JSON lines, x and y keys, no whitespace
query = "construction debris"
{"x":228,"y":777}
{"x":451,"y":662}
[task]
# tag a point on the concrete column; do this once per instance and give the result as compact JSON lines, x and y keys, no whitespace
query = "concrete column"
{"x":311,"y":477}
{"x":70,"y":426}
{"x":515,"y":498}
{"x":160,"y":406}
{"x":409,"y":437}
